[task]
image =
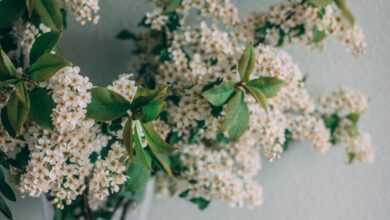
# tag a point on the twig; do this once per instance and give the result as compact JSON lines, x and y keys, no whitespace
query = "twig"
{"x":125,"y":209}
{"x":87,"y":209}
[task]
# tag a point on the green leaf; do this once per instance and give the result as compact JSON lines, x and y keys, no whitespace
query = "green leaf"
{"x":202,"y":203}
{"x":45,"y":43}
{"x":42,"y":106}
{"x":342,"y":5}
{"x":106,"y":105}
{"x":288,"y":139}
{"x":7,"y":68}
{"x":46,"y":66}
{"x":151,"y":111}
{"x":6,"y":123}
{"x":21,"y":159}
{"x":247,"y":63}
{"x":128,"y":137}
{"x":144,"y":96}
{"x":10,"y":11}
{"x":269,"y":86}
{"x":258,"y":95}
{"x":138,"y":178}
{"x":21,"y":93}
{"x":353,"y":130}
{"x":17,"y":113}
{"x":49,"y":12}
{"x":353,"y":117}
{"x":126,"y":35}
{"x":155,"y":141}
{"x":140,"y":154}
{"x":218,"y":95}
{"x":30,"y":6}
{"x":318,"y":35}
{"x":236,"y":116}
{"x":163,"y":161}
{"x":351,"y":156}
{"x":4,"y":209}
{"x":320,"y":3}
{"x":5,"y":189}
{"x":332,"y":122}
{"x":159,"y":147}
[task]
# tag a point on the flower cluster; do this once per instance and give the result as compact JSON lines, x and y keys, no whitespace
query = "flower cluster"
{"x":125,"y":86}
{"x":205,"y":54}
{"x":301,"y":22}
{"x":223,"y":174}
{"x":71,"y":95}
{"x":7,"y":143}
{"x":60,"y":162}
{"x":84,"y":10}
{"x":156,"y":19}
{"x":204,"y":87}
{"x":221,"y":10}
{"x":28,"y":35}
{"x":347,"y":106}
{"x":108,"y":175}
{"x":344,"y":101}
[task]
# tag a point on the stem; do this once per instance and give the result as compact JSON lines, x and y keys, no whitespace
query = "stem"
{"x":117,"y":205}
{"x":125,"y":209}
{"x":87,"y":209}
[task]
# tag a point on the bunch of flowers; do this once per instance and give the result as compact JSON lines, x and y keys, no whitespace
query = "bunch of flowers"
{"x":205,"y":102}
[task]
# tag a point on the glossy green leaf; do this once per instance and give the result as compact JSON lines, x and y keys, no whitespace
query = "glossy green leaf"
{"x":6,"y":189}
{"x":10,"y":11}
{"x":318,"y":35}
{"x":353,"y":129}
{"x":127,"y":137}
{"x":135,"y":186}
{"x":46,"y":66}
{"x":17,"y":112}
{"x":332,"y":122}
{"x":202,"y":203}
{"x":144,"y":96}
{"x":342,"y":5}
{"x":236,"y":119}
{"x":5,"y":209}
{"x":258,"y":95}
{"x":320,"y":3}
{"x":151,"y":111}
{"x":354,"y":117}
{"x":106,"y":105}
{"x":42,"y":106}
{"x":155,"y":141}
{"x":126,"y":35}
{"x":21,"y":93}
{"x":219,"y":94}
{"x":140,"y":154}
{"x":30,"y":6}
{"x":247,"y":63}
{"x":7,"y":68}
{"x":269,"y":86}
{"x":45,"y":43}
{"x":159,"y":148}
{"x":6,"y":123}
{"x":49,"y":12}
{"x":163,"y":161}
{"x":351,"y":156}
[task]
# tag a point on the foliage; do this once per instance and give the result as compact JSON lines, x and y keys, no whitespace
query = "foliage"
{"x":233,"y":94}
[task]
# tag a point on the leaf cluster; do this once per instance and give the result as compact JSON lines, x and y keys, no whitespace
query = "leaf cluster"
{"x":232,"y":95}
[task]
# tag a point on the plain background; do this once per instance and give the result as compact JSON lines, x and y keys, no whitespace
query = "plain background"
{"x":303,"y":185}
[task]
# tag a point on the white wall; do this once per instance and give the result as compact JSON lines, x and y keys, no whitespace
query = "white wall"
{"x":303,"y":185}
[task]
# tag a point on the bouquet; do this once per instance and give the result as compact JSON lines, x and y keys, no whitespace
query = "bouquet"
{"x":204,"y":103}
